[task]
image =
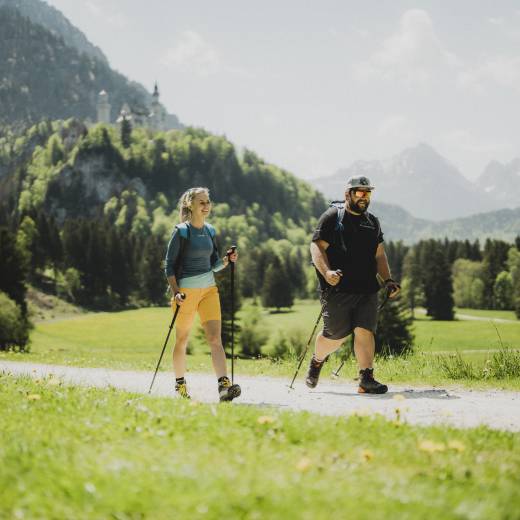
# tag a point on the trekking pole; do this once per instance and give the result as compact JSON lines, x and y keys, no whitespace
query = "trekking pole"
{"x":335,"y":374}
{"x":166,"y":341}
{"x":231,"y":250}
{"x":304,"y":353}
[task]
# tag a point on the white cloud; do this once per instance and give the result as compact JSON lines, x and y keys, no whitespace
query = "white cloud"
{"x":109,"y":14}
{"x":472,"y":152}
{"x":498,"y":70}
{"x":465,"y":140}
{"x":412,"y":55}
{"x":193,"y":52}
{"x":398,"y":129}
{"x":496,"y":21}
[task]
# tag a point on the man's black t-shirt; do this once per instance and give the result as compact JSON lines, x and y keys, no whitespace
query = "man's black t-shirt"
{"x":361,"y":236}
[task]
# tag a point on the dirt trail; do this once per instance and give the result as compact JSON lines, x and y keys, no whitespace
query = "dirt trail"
{"x":425,"y":405}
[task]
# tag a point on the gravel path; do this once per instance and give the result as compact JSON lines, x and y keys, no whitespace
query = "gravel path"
{"x":426,"y":405}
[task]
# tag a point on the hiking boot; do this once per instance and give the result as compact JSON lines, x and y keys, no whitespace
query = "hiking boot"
{"x":182,"y":390}
{"x":227,"y":391}
{"x":368,"y":385}
{"x":314,"y":372}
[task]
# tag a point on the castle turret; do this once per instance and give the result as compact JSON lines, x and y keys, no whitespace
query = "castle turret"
{"x":157,"y":118}
{"x":103,"y":108}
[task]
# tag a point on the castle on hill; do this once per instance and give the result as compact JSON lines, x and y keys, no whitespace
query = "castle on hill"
{"x":154,"y":118}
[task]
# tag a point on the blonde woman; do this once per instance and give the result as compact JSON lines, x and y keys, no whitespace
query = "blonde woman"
{"x":191,"y":259}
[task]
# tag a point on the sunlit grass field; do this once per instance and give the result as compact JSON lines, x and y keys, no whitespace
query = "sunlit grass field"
{"x":71,"y":452}
{"x":133,"y":340}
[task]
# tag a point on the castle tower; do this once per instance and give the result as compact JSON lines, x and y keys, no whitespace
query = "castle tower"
{"x":157,"y":118}
{"x":103,"y":108}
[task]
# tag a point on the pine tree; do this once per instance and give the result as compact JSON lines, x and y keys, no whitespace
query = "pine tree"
{"x":126,"y":132}
{"x":437,"y":285}
{"x":503,"y":291}
{"x":394,"y":329}
{"x":277,"y":292}
{"x":152,"y":282}
{"x":495,"y":261}
{"x":13,"y":269}
{"x":223,"y":279}
{"x":413,"y":279}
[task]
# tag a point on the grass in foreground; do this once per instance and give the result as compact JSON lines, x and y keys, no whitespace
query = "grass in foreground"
{"x":71,"y":452}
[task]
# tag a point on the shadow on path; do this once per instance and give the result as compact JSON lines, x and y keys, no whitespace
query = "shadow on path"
{"x":408,"y":394}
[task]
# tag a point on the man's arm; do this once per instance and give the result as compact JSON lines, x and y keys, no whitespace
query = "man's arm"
{"x":321,"y":262}
{"x":383,"y":270}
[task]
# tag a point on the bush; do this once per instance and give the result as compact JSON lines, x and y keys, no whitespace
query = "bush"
{"x":14,"y":328}
{"x":453,"y":366}
{"x":504,"y":364}
{"x":289,"y":344}
{"x":69,"y":284}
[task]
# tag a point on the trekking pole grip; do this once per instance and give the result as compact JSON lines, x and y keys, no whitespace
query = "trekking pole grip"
{"x":183,"y":296}
{"x":231,"y":250}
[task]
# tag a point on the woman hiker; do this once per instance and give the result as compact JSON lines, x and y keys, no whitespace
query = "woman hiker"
{"x":191,"y":259}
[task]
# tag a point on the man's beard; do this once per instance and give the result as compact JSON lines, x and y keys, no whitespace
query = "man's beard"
{"x":354,"y":206}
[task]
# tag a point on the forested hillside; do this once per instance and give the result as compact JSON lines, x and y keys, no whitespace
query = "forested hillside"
{"x":54,"y":21}
{"x":43,"y":77}
{"x":94,"y":208}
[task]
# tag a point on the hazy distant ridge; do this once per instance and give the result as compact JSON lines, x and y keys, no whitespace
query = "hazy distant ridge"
{"x":430,"y":187}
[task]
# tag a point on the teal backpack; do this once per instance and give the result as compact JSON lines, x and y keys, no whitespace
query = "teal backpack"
{"x":185,"y":235}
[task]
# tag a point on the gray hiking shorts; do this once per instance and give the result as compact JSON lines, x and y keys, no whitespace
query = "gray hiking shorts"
{"x":343,"y":312}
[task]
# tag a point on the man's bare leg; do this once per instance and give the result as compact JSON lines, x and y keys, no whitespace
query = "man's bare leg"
{"x":323,"y":347}
{"x":364,"y":347}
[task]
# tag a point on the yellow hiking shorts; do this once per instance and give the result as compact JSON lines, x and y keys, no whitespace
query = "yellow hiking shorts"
{"x":205,"y":301}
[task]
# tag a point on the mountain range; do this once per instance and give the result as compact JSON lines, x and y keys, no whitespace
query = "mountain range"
{"x":429,"y":187}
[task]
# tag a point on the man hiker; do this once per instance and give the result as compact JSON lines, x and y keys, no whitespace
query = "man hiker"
{"x":348,"y":253}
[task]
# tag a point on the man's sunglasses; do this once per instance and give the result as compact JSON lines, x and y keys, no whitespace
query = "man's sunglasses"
{"x":362,"y":193}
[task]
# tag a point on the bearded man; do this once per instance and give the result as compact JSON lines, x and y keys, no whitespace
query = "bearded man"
{"x":349,"y":256}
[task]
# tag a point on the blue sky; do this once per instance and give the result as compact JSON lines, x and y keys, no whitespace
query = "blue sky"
{"x":312,"y":86}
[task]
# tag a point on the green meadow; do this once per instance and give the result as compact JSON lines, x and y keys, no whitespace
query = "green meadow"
{"x":133,"y":340}
{"x":72,"y":452}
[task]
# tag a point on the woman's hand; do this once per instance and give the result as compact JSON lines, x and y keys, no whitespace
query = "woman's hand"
{"x":231,"y":256}
{"x":178,"y":298}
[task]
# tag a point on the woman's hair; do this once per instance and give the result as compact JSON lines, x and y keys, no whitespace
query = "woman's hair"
{"x":186,"y":201}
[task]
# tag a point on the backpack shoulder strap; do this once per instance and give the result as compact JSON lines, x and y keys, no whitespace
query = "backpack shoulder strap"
{"x":340,"y":209}
{"x":339,"y":218}
{"x":211,"y":230}
{"x":374,"y":220}
{"x":184,"y":230}
{"x":184,"y":233}
{"x":339,"y":227}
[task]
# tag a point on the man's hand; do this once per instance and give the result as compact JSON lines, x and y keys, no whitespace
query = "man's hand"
{"x":332,"y":277}
{"x":392,"y":288}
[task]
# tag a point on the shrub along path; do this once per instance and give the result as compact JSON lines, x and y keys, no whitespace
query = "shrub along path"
{"x":416,"y":405}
